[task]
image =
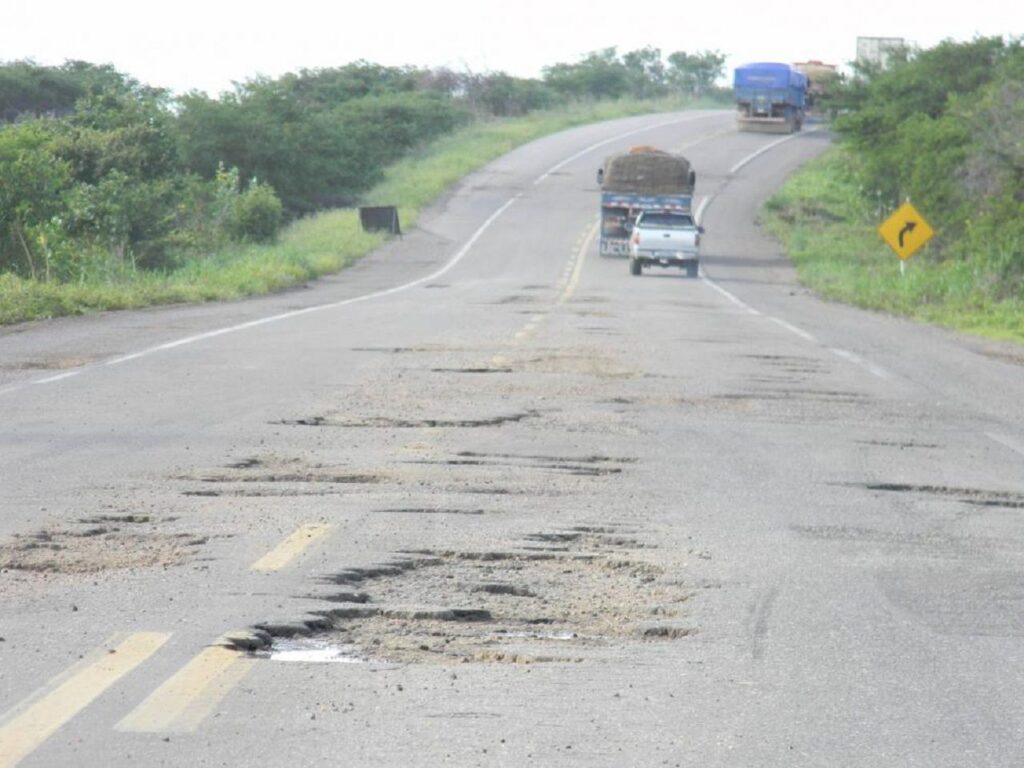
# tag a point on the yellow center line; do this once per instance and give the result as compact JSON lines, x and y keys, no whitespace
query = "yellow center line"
{"x":192,"y":693}
{"x":81,"y":685}
{"x":577,"y":272}
{"x":291,"y":547}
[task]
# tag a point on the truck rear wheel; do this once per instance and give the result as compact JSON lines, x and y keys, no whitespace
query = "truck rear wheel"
{"x":634,"y":267}
{"x":693,"y":269}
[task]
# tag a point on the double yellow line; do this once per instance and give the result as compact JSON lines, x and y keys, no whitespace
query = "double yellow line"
{"x":78,"y":687}
{"x":179,"y":705}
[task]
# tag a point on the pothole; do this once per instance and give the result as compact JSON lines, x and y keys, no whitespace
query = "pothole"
{"x":790,"y":394}
{"x":583,"y":469}
{"x":590,"y":459}
{"x":275,"y":471}
{"x":592,"y":465}
{"x":431,"y":511}
{"x":384,"y":422}
{"x":97,"y":548}
{"x":586,"y":589}
{"x":471,"y":370}
{"x":901,"y":444}
{"x":594,"y":363}
{"x":975,"y":496}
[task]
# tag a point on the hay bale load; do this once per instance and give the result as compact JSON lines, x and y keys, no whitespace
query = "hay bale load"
{"x":647,"y":171}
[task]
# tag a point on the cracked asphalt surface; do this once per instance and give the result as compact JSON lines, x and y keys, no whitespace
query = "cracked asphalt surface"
{"x":525,"y":509}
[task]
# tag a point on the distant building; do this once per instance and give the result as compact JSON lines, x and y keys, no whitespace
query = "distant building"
{"x":878,"y":50}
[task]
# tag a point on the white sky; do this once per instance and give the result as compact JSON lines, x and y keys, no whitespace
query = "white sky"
{"x":207,"y":44}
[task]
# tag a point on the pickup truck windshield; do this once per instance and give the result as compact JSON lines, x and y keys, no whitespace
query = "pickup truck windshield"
{"x":665,"y":221}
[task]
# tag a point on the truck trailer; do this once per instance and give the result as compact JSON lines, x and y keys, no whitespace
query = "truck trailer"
{"x":642,"y":179}
{"x":770,"y":97}
{"x":821,"y":81}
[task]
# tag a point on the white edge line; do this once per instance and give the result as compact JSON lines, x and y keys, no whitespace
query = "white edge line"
{"x":793,"y":329}
{"x":858,"y":360}
{"x":700,"y":209}
{"x":1008,"y":442}
{"x":59,"y":377}
{"x":754,"y":155}
{"x":333,"y":305}
{"x":743,"y":305}
{"x":878,"y":371}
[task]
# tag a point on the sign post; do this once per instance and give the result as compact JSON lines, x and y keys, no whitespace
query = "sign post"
{"x":905,"y":232}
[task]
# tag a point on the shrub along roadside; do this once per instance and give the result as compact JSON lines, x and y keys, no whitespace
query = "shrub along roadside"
{"x":829,"y":230}
{"x":311,"y":247}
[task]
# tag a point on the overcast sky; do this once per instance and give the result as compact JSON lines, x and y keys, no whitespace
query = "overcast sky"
{"x":207,"y":44}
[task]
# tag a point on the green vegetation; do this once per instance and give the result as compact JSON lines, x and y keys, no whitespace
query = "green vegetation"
{"x":942,"y":128}
{"x":114,"y":194}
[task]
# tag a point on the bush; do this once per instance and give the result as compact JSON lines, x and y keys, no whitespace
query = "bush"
{"x":256,"y":214}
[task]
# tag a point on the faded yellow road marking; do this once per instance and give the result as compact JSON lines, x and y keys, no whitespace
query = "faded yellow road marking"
{"x":577,"y":272}
{"x":291,"y":547}
{"x":184,"y":701}
{"x":80,"y":685}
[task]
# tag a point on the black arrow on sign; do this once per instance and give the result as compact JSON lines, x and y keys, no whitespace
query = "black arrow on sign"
{"x":909,"y":227}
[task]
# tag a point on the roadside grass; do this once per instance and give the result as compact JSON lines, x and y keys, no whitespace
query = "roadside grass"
{"x":829,"y":230}
{"x":317,"y":245}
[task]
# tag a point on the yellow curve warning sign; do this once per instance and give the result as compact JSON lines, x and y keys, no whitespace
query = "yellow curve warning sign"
{"x":906,"y":231}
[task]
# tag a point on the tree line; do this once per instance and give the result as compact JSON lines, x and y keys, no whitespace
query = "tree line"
{"x":943,"y":128}
{"x":100,"y":173}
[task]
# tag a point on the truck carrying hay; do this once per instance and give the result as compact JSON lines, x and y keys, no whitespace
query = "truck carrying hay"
{"x":642,"y":179}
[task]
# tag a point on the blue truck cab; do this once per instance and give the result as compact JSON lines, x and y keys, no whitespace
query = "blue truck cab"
{"x":770,"y":97}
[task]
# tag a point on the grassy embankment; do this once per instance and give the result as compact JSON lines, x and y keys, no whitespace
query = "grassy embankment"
{"x":830,"y":232}
{"x":314,"y":246}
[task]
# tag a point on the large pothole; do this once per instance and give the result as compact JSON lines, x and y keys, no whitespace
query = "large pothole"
{"x":560,"y":596}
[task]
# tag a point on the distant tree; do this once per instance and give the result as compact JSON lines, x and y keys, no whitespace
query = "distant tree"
{"x":599,"y":75}
{"x":30,"y":89}
{"x":647,"y":72}
{"x":311,"y":156}
{"x":695,"y":73}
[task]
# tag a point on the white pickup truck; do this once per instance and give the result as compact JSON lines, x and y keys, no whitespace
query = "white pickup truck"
{"x":665,"y":239}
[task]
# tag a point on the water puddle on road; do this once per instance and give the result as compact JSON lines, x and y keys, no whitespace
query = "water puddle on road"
{"x":311,"y":651}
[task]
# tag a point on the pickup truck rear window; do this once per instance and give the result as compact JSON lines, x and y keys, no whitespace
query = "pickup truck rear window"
{"x":665,"y":221}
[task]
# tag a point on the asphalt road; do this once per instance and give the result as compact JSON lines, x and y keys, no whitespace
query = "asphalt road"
{"x":497,"y":502}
